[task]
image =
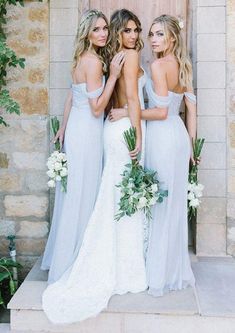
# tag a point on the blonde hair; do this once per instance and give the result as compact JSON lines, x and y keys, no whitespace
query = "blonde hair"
{"x":172,"y":28}
{"x":82,"y":42}
{"x":118,"y":23}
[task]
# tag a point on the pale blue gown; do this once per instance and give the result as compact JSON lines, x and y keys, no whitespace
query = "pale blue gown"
{"x":83,"y":145}
{"x":168,"y":151}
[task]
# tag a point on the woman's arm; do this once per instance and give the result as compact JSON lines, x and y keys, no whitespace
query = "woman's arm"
{"x":191,"y":118}
{"x":94,"y":81}
{"x":158,"y":74}
{"x":60,"y":134}
{"x":130,"y":73}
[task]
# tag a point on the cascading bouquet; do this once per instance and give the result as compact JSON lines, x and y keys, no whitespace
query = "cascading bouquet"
{"x":57,"y":161}
{"x":139,"y":187}
{"x":194,"y":188}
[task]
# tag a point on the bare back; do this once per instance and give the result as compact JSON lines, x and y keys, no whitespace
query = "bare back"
{"x":171,"y":67}
{"x":120,"y":98}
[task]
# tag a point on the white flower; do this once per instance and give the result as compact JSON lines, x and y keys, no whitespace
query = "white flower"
{"x":152,"y":201}
{"x":58,"y":178}
{"x":51,"y":183}
{"x":60,"y":157}
{"x":198,"y":194}
{"x":64,"y":172}
{"x":57,"y":166}
{"x":51,"y":173}
{"x":194,"y":203}
{"x":191,"y":186}
{"x":142,"y":203}
{"x":50,"y":164}
{"x":55,"y":153}
{"x":200,"y":187}
{"x":181,"y":24}
{"x":154,"y":188}
{"x":191,"y":196}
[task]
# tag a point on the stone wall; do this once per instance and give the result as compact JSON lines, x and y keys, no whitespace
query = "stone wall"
{"x":231,"y":127}
{"x":211,"y":93}
{"x":24,"y":145}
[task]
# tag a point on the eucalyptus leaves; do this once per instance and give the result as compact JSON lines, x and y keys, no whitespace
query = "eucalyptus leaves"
{"x":140,"y":188}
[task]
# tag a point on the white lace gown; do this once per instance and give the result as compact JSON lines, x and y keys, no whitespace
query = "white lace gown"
{"x":84,"y":149}
{"x":111,"y":258}
{"x":168,"y":151}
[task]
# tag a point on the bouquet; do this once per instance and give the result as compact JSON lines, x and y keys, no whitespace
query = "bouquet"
{"x":57,"y":162}
{"x":139,"y":187}
{"x":194,"y":188}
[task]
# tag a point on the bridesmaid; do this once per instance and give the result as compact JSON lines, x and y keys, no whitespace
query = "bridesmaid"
{"x":82,"y":132}
{"x":168,"y":150}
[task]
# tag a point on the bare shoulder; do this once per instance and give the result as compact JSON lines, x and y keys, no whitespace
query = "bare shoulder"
{"x":131,"y":54}
{"x":159,"y":66}
{"x":91,"y":60}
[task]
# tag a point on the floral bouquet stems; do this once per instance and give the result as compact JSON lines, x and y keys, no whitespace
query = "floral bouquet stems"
{"x":55,"y":125}
{"x":139,"y":187}
{"x":57,"y":162}
{"x":194,"y":188}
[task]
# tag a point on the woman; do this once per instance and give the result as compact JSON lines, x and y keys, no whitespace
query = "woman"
{"x":168,"y":151}
{"x":83,"y":131}
{"x":111,"y":258}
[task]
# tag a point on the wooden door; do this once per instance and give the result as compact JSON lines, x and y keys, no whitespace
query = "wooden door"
{"x":146,"y":11}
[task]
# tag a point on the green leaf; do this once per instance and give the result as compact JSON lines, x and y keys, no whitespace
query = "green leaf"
{"x":4,"y":275}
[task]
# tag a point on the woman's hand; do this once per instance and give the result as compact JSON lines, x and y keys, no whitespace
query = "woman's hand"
{"x":193,"y":161}
{"x":116,"y":64}
{"x":60,"y":136}
{"x":137,"y":151}
{"x":117,"y":114}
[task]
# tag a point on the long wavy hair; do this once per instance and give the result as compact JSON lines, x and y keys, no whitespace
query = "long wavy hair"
{"x":172,"y":28}
{"x":118,"y":23}
{"x":82,"y":42}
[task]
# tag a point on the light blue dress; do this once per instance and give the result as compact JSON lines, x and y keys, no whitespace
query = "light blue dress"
{"x":83,"y":145}
{"x":168,"y":151}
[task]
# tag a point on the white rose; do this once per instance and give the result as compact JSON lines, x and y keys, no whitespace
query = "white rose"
{"x":142,"y":203}
{"x":154,"y":188}
{"x":51,"y":173}
{"x":191,"y":196}
{"x":191,"y":186}
{"x":58,"y":178}
{"x":57,"y":166}
{"x":200,"y":187}
{"x":64,"y":172}
{"x":194,"y":203}
{"x":198,"y":194}
{"x":51,"y":183}
{"x":60,"y":157}
{"x":152,"y":201}
{"x":50,"y":165}
{"x":55,"y":153}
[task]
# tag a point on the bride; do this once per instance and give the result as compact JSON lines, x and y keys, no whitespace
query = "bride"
{"x":111,"y":258}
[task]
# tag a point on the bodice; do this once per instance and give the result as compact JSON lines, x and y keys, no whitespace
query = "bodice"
{"x":81,"y":95}
{"x":172,"y":101}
